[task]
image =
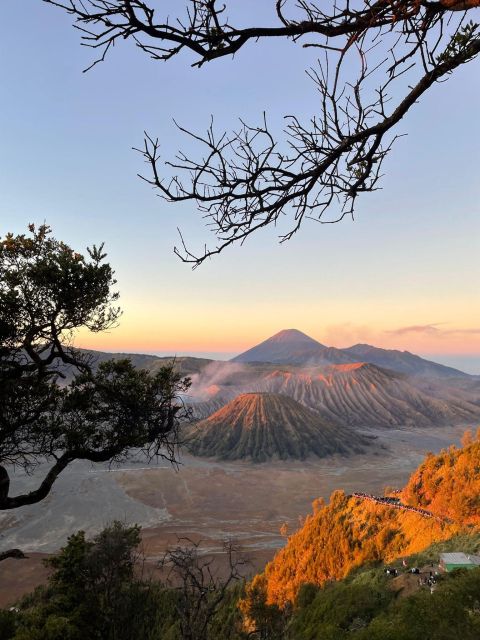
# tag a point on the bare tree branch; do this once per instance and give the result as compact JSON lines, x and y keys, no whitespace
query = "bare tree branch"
{"x":249,"y":179}
{"x":205,"y":29}
{"x":243,"y":183}
{"x":200,"y":586}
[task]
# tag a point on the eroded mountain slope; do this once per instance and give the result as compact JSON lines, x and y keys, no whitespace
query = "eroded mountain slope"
{"x":260,"y":426}
{"x":356,"y":394}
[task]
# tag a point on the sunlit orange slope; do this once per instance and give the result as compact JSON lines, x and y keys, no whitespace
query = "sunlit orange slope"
{"x":351,"y":531}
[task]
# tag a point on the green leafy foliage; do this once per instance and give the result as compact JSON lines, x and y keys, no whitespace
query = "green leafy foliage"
{"x":48,"y":292}
{"x":95,"y":591}
{"x":460,"y":42}
{"x":98,"y":590}
{"x":452,"y":611}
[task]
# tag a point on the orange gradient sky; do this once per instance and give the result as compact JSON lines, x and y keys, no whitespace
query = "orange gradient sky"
{"x":404,"y":274}
{"x":215,"y":329}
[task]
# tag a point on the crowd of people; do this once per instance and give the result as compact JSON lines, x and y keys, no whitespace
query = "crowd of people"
{"x":395,"y":503}
{"x":426,"y":578}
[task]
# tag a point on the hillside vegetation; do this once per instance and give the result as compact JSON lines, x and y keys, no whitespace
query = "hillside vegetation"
{"x":351,"y":531}
{"x":94,"y":592}
{"x":347,"y":533}
{"x":449,"y":483}
{"x":370,"y":606}
{"x":328,"y":582}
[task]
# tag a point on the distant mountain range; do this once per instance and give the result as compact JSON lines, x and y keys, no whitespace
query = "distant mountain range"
{"x":291,"y":396}
{"x":261,"y":426}
{"x":186,"y":365}
{"x":291,"y":346}
{"x":403,"y":362}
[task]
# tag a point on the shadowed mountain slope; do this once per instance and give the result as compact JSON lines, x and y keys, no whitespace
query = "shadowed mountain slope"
{"x":260,"y":426}
{"x":402,"y":362}
{"x":186,"y":365}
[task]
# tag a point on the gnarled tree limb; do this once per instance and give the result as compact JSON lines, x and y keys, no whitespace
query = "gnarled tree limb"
{"x":250,"y":179}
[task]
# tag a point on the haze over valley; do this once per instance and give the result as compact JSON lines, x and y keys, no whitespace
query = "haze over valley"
{"x":361,"y":386}
{"x":271,"y":430}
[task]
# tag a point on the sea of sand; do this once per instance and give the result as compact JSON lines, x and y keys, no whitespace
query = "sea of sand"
{"x":204,"y":500}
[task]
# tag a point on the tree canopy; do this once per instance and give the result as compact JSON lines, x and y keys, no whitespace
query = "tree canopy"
{"x":376,"y":59}
{"x":95,"y":590}
{"x":47,"y":293}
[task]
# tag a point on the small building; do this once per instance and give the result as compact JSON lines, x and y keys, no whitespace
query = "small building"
{"x":458,"y":560}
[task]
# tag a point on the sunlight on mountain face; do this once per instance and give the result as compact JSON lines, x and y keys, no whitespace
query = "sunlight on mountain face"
{"x":440,"y":500}
{"x":349,"y":367}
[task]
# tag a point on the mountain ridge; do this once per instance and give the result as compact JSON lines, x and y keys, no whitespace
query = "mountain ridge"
{"x":352,"y":530}
{"x":291,"y":346}
{"x":353,"y":394}
{"x":403,"y":362}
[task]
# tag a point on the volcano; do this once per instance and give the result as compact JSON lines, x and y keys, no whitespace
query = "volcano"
{"x":262,"y":426}
{"x":291,"y":346}
{"x":355,"y":395}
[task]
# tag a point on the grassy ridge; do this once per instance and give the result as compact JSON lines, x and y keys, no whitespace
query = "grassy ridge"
{"x":349,"y":532}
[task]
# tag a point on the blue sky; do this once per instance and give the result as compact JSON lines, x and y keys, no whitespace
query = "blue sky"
{"x":410,"y":258}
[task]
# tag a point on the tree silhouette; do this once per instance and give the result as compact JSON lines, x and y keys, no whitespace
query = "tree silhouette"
{"x":377,"y":59}
{"x":201,"y":587}
{"x":47,"y":293}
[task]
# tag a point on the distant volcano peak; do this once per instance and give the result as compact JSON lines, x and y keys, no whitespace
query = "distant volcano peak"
{"x":293,"y":335}
{"x":291,"y":346}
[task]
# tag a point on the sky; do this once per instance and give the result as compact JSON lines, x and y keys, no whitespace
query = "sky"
{"x":403,"y":274}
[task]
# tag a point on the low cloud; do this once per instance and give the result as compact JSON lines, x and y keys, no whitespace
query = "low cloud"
{"x":436,"y":329}
{"x":214,"y":374}
{"x":424,"y":329}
